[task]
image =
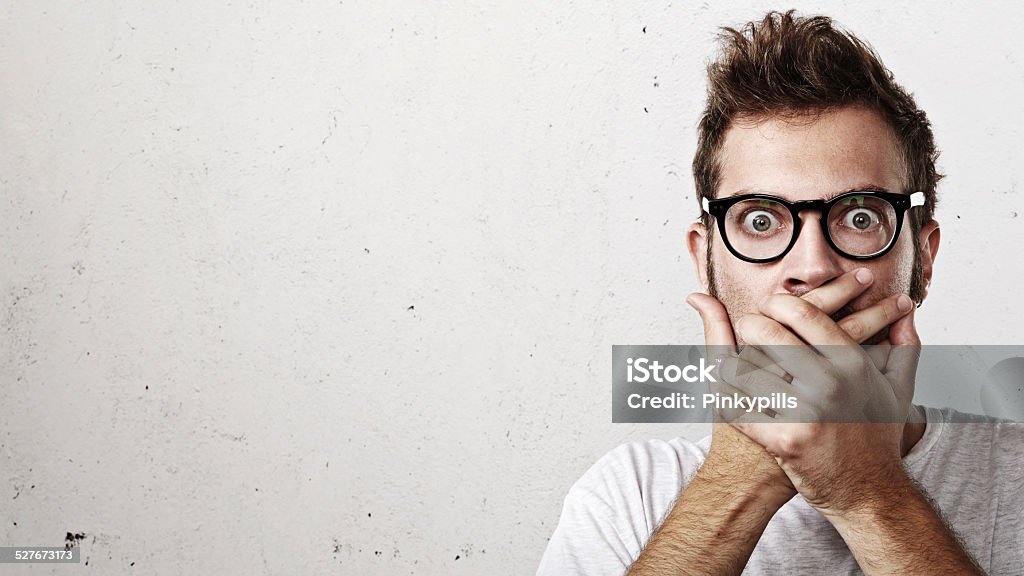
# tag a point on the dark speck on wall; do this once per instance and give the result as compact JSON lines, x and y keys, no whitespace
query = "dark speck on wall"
{"x":413,"y":307}
{"x":457,"y":556}
{"x":72,"y":540}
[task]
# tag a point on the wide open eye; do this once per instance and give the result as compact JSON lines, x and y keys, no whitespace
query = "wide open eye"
{"x":760,"y":221}
{"x":862,"y":219}
{"x":862,"y":225}
{"x":758,"y":227}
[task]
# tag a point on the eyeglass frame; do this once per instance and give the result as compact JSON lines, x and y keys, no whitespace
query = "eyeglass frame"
{"x":900,"y":203}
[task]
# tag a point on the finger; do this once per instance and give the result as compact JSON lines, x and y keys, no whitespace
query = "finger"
{"x":763,"y":331}
{"x":904,"y":330}
{"x":718,"y":333}
{"x":811,"y":376}
{"x":767,"y":390}
{"x":863,"y":324}
{"x":728,"y":411}
{"x":879,"y":354}
{"x":751,"y":379}
{"x":901,"y":367}
{"x":831,"y":297}
{"x":755,"y":355}
{"x":781,"y":346}
{"x":815,"y":327}
{"x":805,"y":320}
{"x":732,"y":403}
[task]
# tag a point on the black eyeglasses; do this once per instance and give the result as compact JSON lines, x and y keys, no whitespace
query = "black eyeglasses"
{"x":859,"y":225}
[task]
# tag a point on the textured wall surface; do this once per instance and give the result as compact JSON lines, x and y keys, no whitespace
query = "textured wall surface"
{"x":330,"y":287}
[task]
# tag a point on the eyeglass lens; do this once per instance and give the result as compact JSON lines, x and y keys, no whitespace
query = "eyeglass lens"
{"x":858,"y":225}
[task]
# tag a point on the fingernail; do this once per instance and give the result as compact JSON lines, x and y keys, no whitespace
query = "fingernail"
{"x":689,"y":300}
{"x":904,"y":303}
{"x":863,"y":276}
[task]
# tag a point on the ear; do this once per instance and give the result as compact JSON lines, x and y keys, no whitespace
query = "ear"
{"x":697,"y":243}
{"x":928,"y":239}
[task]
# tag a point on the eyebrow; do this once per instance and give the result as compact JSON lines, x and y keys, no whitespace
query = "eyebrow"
{"x":827,"y":197}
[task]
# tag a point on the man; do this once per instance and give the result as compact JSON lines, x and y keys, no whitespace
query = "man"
{"x":815,"y":234}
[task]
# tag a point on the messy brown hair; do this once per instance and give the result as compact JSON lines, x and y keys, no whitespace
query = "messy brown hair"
{"x":793,"y":66}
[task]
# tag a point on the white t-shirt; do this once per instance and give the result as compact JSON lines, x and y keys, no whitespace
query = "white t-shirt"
{"x":974,"y":472}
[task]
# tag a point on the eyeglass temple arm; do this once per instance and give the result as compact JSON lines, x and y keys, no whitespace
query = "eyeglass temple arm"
{"x":916,"y":199}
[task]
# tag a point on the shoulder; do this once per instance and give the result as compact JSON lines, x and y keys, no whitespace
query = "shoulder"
{"x":615,"y":506}
{"x":640,"y":479}
{"x":976,"y":442}
{"x":971,"y":466}
{"x":963,"y":428}
{"x":640,"y":461}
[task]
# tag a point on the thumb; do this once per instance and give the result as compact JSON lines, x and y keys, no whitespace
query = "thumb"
{"x":904,"y":330}
{"x":901,"y":368}
{"x":718,"y":337}
{"x":717,"y":328}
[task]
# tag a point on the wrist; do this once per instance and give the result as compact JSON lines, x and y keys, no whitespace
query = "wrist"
{"x":749,"y":480}
{"x":867,"y":500}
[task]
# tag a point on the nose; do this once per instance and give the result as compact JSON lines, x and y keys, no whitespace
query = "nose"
{"x":811,"y":262}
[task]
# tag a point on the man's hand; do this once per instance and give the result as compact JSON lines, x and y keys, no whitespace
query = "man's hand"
{"x":847,"y":460}
{"x":742,"y":456}
{"x":851,"y":472}
{"x":718,"y":519}
{"x":731,"y":452}
{"x":837,"y":466}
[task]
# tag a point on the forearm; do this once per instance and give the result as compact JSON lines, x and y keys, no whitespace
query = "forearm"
{"x":714,"y":525}
{"x":898,"y":532}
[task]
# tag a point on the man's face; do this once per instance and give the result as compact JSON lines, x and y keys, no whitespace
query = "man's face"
{"x":809,"y":158}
